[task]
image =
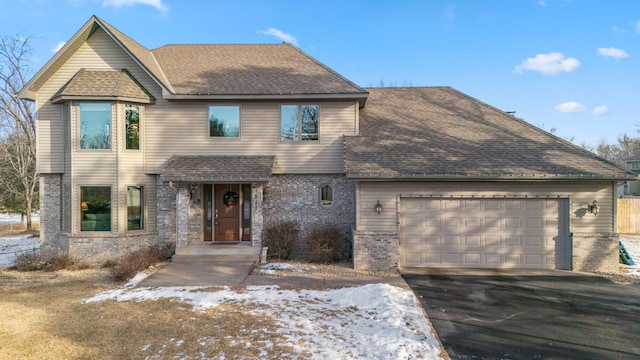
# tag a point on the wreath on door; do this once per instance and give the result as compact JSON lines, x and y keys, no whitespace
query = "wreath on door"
{"x":230,"y":198}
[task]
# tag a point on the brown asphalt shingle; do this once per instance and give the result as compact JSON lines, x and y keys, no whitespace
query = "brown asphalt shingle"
{"x":89,"y":84}
{"x":252,"y":69}
{"x":438,"y":132}
{"x":217,"y":168}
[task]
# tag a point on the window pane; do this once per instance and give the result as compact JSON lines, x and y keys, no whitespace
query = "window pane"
{"x":289,"y":122}
{"x":246,"y":210}
{"x":95,"y":206}
{"x":224,"y":121}
{"x":95,"y":125}
{"x":310,"y":122}
{"x":135,"y":207}
{"x":132,"y":118}
{"x":326,"y":195}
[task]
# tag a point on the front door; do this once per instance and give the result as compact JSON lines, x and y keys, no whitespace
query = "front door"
{"x":227,"y":213}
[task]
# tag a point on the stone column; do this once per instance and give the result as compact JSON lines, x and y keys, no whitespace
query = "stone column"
{"x":182,"y":217}
{"x":50,"y":213}
{"x":257,"y":219}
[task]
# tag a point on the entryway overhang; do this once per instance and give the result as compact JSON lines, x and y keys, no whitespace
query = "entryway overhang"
{"x":217,"y":169}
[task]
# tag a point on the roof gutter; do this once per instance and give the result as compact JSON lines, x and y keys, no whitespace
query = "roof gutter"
{"x":361,"y":97}
{"x":506,"y":177}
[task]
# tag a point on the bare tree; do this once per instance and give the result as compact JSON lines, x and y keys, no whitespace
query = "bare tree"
{"x":17,"y":125}
{"x":626,"y":148}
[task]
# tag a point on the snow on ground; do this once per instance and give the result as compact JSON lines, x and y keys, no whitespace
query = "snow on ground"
{"x":12,"y":246}
{"x":272,"y":268}
{"x":6,"y":219}
{"x":375,"y":321}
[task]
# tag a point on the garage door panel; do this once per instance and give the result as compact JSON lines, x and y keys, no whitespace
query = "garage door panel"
{"x":490,"y":233}
{"x":472,"y":240}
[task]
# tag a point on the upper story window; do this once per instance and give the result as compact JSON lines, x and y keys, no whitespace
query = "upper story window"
{"x":299,"y":122}
{"x":95,"y":125}
{"x":224,"y":121}
{"x":132,"y":126}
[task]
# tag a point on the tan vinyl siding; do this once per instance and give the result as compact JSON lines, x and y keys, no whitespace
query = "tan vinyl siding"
{"x":580,"y":194}
{"x":180,"y":128}
{"x":49,"y":136}
{"x":99,"y":52}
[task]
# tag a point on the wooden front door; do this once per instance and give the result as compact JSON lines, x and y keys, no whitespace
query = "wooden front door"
{"x":227,"y":213}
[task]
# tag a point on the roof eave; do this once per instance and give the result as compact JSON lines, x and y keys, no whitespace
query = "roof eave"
{"x":504,"y":177}
{"x":27,"y":92}
{"x":361,"y":97}
{"x":63,"y":98}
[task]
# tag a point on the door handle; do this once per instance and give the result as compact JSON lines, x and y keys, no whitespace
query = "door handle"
{"x":215,"y":218}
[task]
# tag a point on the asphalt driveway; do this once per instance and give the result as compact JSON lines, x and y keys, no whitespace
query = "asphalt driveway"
{"x":530,"y":315}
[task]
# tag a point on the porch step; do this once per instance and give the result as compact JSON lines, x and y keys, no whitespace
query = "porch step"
{"x":177,"y":258}
{"x":221,"y":253}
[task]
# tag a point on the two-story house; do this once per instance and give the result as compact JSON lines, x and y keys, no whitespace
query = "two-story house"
{"x":209,"y":143}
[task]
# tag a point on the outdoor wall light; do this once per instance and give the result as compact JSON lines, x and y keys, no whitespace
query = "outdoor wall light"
{"x":378,"y":207}
{"x":593,"y":208}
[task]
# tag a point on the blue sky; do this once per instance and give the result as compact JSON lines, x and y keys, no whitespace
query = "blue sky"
{"x":571,"y":65}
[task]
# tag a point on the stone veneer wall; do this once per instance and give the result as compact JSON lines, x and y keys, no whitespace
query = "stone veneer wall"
{"x":297,"y":197}
{"x":50,"y":214}
{"x":100,"y":247}
{"x":595,"y":252}
{"x":166,"y":212}
{"x":375,"y":250}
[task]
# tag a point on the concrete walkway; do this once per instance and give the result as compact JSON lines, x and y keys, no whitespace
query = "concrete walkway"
{"x":238,"y":274}
{"x":231,"y":265}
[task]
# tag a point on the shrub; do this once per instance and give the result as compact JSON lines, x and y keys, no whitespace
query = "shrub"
{"x":280,"y":238}
{"x":34,"y":261}
{"x":327,"y":244}
{"x":139,"y":260}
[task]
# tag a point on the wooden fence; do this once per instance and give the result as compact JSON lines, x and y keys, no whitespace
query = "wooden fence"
{"x":628,"y":215}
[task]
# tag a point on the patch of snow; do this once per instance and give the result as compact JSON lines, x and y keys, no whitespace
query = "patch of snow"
{"x":12,"y":246}
{"x":7,"y":219}
{"x":375,"y":321}
{"x":272,"y":268}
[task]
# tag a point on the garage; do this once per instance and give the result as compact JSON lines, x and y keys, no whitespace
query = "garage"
{"x":484,"y":233}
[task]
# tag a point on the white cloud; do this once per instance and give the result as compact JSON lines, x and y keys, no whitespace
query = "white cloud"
{"x":551,"y":63}
{"x":58,"y":46}
{"x":613,"y":52}
{"x":600,"y":110}
{"x":571,"y":106}
{"x":542,"y":3}
{"x":158,"y":4}
{"x":281,"y":35}
{"x":637,"y":26}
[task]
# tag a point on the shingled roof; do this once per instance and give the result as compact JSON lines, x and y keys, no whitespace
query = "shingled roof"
{"x":195,"y":169}
{"x":258,"y":71}
{"x":251,"y":69}
{"x":440,"y":133}
{"x":103,"y":85}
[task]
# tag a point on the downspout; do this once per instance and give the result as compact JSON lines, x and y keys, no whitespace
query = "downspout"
{"x":172,"y":187}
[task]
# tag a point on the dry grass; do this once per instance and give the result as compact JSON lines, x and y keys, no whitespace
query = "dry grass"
{"x":129,"y":265}
{"x":13,"y":228}
{"x":48,"y":320}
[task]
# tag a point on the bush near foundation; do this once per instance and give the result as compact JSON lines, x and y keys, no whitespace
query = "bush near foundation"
{"x":281,"y":238}
{"x":35,"y":261}
{"x":129,"y":265}
{"x":327,"y":244}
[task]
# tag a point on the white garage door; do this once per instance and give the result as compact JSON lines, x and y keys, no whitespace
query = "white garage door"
{"x":484,"y":233}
